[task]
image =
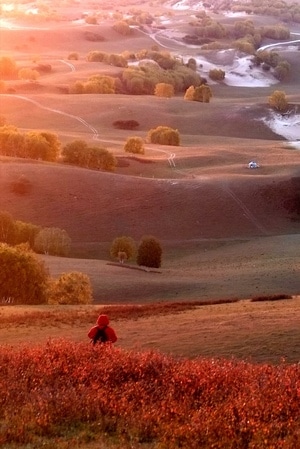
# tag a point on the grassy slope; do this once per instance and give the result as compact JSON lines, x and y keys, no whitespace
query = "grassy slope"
{"x":257,"y":331}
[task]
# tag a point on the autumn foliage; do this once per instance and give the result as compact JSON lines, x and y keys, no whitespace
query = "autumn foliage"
{"x":51,"y":391}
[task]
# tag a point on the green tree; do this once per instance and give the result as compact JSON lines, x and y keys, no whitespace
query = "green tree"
{"x":23,"y":278}
{"x":53,"y":241}
{"x":278,"y":101}
{"x":41,"y":145}
{"x":123,"y":245}
{"x":79,"y":153}
{"x":282,"y":70}
{"x":164,"y":135}
{"x":100,"y":159}
{"x":26,"y":232}
{"x":75,"y":153}
{"x":70,"y":288}
{"x":100,"y":84}
{"x":7,"y":228}
{"x":134,"y":145}
{"x":149,"y":252}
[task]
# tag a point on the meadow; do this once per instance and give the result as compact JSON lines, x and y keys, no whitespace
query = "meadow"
{"x":198,"y":363}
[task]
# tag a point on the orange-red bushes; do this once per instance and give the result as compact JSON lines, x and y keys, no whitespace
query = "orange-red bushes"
{"x":147,"y":396}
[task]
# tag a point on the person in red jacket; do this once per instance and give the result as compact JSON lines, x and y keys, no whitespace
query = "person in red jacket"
{"x":102,"y":332}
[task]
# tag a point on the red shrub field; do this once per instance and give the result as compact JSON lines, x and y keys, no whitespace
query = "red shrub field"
{"x":55,"y":391}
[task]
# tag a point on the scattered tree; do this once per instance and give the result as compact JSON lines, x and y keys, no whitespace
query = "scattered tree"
{"x":123,"y":245}
{"x":123,"y":28}
{"x":282,"y":70}
{"x":278,"y":101}
{"x":149,"y":252}
{"x":70,"y":288}
{"x":164,"y":135}
{"x":134,"y":145}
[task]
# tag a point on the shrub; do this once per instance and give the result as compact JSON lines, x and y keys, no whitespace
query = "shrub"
{"x":53,"y":241}
{"x":79,"y":392}
{"x":164,"y":90}
{"x":164,"y":135}
{"x":123,"y":245}
{"x":73,"y":56}
{"x":126,"y":124}
{"x":123,"y":28}
{"x":134,"y":145}
{"x":149,"y":252}
{"x":70,"y":288}
{"x":216,"y":74}
{"x":23,"y":278}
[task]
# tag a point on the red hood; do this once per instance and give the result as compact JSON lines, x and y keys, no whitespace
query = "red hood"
{"x":102,"y":320}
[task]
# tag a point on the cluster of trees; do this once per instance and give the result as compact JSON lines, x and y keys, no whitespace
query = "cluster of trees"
{"x":201,"y":93}
{"x":272,"y":59}
{"x":149,"y":79}
{"x":148,"y":253}
{"x":24,"y":279}
{"x":53,"y":241}
{"x":42,"y":145}
{"x":23,"y":276}
{"x":96,"y":84}
{"x":161,"y":135}
{"x":114,"y":59}
{"x":285,"y":11}
{"x":10,"y":70}
{"x":45,"y":146}
{"x":79,"y":153}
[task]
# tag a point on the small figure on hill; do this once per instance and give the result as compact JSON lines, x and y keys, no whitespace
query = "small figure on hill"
{"x":102,"y":332}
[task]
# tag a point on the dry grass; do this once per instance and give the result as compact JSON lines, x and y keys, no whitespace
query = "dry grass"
{"x":257,"y":331}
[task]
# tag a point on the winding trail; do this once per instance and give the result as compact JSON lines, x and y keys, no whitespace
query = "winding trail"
{"x":56,"y":111}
